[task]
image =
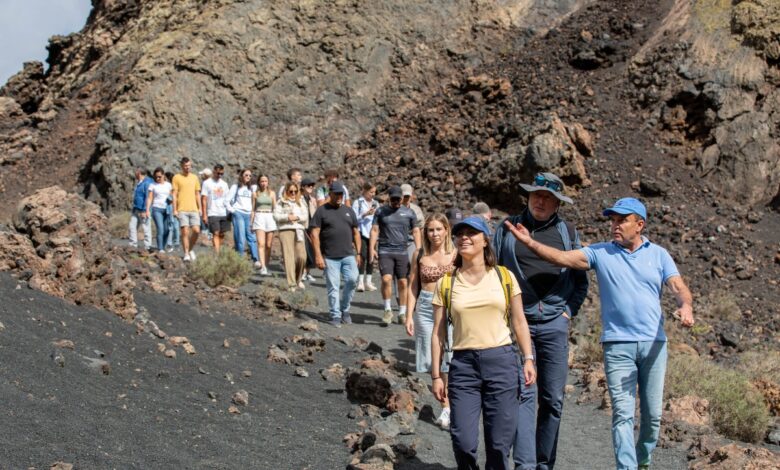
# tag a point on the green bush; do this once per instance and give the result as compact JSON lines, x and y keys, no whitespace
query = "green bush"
{"x":227,"y":269}
{"x":737,"y":409}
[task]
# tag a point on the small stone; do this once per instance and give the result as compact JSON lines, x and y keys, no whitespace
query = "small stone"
{"x":226,"y":343}
{"x":310,"y":325}
{"x":105,"y":368}
{"x":189,"y":348}
{"x":744,"y":275}
{"x":64,"y":344}
{"x":234,"y":410}
{"x":202,"y":371}
{"x":178,"y":340}
{"x":241,"y":398}
{"x":378,"y":454}
{"x":108,"y":334}
{"x":301,"y":372}
{"x":275,"y":354}
{"x":170,"y":353}
{"x":718,"y":272}
{"x":61,"y":466}
{"x":58,"y":358}
{"x":334,"y":373}
{"x":247,"y":373}
{"x":2,"y":327}
{"x":156,"y":331}
{"x":229,"y":377}
{"x":568,"y":389}
{"x":728,"y":338}
{"x":161,"y":347}
{"x":212,"y":395}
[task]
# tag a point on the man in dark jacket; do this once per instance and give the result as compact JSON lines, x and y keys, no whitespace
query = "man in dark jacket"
{"x":138,"y":211}
{"x":551,"y":298}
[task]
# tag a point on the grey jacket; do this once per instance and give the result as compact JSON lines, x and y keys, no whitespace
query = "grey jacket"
{"x":568,"y":293}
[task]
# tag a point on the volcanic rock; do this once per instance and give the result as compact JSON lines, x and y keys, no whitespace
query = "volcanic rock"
{"x":368,"y":389}
{"x":64,"y":242}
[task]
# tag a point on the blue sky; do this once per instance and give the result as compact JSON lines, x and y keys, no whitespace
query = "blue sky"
{"x":27,"y":25}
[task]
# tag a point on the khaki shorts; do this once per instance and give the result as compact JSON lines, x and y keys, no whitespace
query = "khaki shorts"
{"x":189,"y":219}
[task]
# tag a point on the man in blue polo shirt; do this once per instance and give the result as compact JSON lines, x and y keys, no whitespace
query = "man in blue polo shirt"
{"x":631,"y":272}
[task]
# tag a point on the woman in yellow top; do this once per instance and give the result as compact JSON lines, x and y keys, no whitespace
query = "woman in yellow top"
{"x":485,"y":308}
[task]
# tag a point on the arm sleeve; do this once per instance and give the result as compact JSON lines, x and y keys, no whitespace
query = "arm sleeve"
{"x":230,"y":197}
{"x":580,"y":279}
{"x":590,"y":254}
{"x":316,"y":220}
{"x":668,"y":266}
{"x":515,"y":286}
{"x":377,"y":216}
{"x":354,"y":219}
{"x":204,"y":191}
{"x":437,"y":300}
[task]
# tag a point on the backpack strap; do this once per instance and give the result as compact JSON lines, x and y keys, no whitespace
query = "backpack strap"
{"x":506,"y":286}
{"x":447,"y":282}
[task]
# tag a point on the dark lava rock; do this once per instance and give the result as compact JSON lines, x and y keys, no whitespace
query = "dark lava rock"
{"x":728,"y":338}
{"x":368,"y":389}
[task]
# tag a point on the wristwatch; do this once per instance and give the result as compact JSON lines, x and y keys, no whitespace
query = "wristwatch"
{"x":530,"y":356}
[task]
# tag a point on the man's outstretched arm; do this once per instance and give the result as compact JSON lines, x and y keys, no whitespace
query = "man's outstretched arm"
{"x":574,"y":259}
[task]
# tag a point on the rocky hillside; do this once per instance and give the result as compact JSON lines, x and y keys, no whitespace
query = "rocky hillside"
{"x":676,"y":101}
{"x":241,"y":82}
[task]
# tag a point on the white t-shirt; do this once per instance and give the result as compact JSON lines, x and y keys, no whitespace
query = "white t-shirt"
{"x":160,"y":193}
{"x":243,"y":201}
{"x":216,"y":193}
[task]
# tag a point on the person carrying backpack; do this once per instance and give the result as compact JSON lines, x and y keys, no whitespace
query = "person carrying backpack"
{"x":551,"y":298}
{"x":482,"y":302}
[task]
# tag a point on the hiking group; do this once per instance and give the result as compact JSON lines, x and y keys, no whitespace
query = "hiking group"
{"x":489,"y":307}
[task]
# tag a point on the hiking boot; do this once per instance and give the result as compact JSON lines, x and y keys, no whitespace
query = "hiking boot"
{"x":387,"y":318}
{"x":361,"y":287}
{"x":401,"y":318}
{"x":444,"y":419}
{"x":346,"y":318}
{"x":335,"y":322}
{"x":370,"y":287}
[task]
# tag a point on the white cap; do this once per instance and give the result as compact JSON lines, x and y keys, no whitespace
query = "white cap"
{"x":205,"y":172}
{"x":406,"y":190}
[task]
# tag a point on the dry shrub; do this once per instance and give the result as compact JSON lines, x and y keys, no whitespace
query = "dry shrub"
{"x":738,"y":410}
{"x":302,"y":300}
{"x":761,"y":365}
{"x":118,"y":224}
{"x":723,"y":307}
{"x":226,"y":269}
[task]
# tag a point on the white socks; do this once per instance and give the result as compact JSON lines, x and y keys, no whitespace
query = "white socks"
{"x":402,"y":310}
{"x":388,"y":304}
{"x":360,"y":279}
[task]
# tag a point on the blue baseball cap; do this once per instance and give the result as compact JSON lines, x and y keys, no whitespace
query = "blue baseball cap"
{"x":475,"y":222}
{"x":627,"y":205}
{"x":336,"y":187}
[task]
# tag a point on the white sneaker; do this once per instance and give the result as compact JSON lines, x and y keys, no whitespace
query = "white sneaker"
{"x":370,"y":287}
{"x":192,"y":256}
{"x":264,"y":271}
{"x":187,"y":257}
{"x":444,"y":419}
{"x":361,"y":287}
{"x":301,"y":285}
{"x":312,"y":278}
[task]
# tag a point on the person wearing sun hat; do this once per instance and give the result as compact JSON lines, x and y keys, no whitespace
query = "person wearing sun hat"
{"x":482,"y":302}
{"x":551,"y":298}
{"x":631,"y":272}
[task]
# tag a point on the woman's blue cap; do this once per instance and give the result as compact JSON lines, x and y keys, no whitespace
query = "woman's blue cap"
{"x":475,"y":222}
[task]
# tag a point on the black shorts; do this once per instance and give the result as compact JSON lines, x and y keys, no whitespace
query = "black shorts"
{"x":396,"y":264}
{"x":219,"y":224}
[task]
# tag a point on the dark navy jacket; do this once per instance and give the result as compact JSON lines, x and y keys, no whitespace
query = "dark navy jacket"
{"x":566,"y":295}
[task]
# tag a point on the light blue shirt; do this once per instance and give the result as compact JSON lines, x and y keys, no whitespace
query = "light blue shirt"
{"x":630,"y":287}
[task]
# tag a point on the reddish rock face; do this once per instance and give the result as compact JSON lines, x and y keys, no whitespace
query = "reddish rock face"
{"x":63,"y":247}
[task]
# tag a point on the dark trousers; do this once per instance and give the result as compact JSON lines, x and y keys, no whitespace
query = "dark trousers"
{"x":536,"y":446}
{"x":366,"y":265}
{"x":485,"y":381}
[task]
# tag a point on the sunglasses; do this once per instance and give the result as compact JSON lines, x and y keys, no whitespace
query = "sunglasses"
{"x":292,"y":192}
{"x":544,"y":182}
